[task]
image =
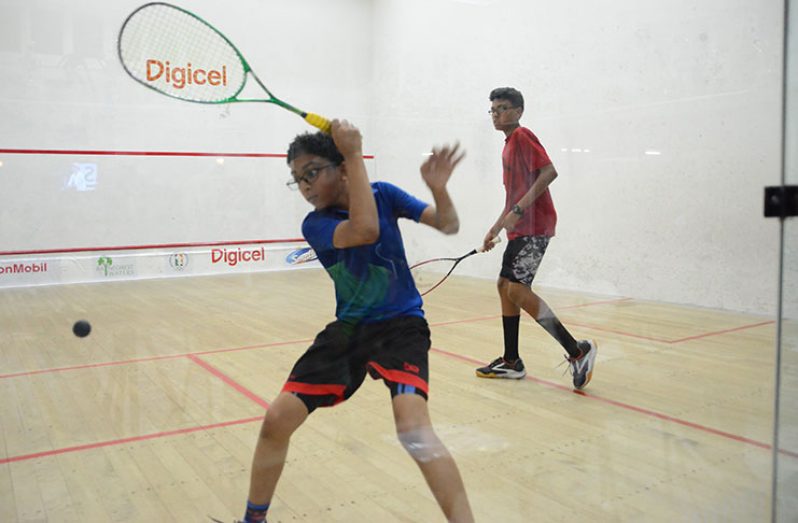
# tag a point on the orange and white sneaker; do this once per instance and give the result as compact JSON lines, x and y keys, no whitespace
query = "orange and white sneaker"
{"x":582,"y":367}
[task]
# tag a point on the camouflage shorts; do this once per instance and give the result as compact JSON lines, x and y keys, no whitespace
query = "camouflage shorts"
{"x":522,"y":258}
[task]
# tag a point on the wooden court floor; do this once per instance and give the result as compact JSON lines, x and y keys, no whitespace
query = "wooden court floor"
{"x":154,"y":416}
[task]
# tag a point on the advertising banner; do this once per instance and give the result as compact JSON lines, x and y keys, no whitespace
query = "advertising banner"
{"x":51,"y":269}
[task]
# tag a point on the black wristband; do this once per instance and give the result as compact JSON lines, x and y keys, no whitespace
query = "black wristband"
{"x":518,"y":210}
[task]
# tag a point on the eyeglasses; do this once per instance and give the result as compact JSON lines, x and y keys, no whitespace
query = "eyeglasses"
{"x":309,"y":177}
{"x":500,"y":109}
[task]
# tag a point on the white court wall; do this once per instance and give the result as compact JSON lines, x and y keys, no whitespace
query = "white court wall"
{"x":62,"y":87}
{"x":662,"y":118}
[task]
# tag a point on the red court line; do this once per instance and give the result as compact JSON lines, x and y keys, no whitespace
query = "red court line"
{"x":249,"y":347}
{"x":230,"y":381}
{"x":258,"y":400}
{"x":243,"y":390}
{"x":651,"y":338}
{"x":467,"y":320}
{"x":495,"y":316}
{"x":671,"y":341}
{"x":307,"y":340}
{"x":91,"y":366}
{"x":468,"y":359}
{"x":633,"y":408}
{"x":725,"y":331}
{"x":122,"y":441}
{"x":145,"y":247}
{"x":619,"y":333}
{"x":151,"y":358}
{"x":592,"y":303}
{"x":614,"y":331}
{"x":85,"y":152}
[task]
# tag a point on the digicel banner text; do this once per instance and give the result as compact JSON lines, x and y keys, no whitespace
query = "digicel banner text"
{"x":232,"y":257}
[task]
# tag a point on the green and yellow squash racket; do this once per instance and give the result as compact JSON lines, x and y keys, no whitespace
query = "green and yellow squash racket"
{"x":176,"y":53}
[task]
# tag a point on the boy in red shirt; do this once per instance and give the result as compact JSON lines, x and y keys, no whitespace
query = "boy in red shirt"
{"x":529,"y":219}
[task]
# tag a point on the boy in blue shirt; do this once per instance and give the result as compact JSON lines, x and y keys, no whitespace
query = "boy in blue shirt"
{"x":380,"y":328}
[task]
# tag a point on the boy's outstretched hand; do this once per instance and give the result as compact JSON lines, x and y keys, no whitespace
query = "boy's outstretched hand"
{"x":437,"y":169}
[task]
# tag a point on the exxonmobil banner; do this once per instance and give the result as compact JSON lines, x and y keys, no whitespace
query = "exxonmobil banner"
{"x":17,"y":271}
{"x":28,"y":271}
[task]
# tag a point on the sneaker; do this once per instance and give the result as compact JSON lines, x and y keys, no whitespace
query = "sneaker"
{"x":501,"y":368}
{"x":582,"y":367}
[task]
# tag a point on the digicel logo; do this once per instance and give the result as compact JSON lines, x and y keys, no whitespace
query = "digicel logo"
{"x":179,"y":77}
{"x":232,"y":258}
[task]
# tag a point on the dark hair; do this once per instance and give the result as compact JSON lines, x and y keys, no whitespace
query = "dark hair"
{"x":513,"y":96}
{"x":320,"y":144}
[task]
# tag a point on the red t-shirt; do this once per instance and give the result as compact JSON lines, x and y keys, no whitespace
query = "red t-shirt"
{"x":522,"y":158}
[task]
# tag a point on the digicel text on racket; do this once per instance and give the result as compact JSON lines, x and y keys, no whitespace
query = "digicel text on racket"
{"x":179,"y":77}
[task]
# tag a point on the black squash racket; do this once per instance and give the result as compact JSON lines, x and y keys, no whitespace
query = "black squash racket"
{"x":430,"y":274}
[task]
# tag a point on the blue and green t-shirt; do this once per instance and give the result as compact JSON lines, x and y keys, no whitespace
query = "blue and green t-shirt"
{"x":372,"y":282}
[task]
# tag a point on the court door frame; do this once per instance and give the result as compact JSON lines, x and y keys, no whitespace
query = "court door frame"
{"x":785,"y":472}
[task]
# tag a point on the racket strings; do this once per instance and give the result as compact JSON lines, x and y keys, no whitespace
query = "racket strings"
{"x":430,"y":274}
{"x":180,"y":55}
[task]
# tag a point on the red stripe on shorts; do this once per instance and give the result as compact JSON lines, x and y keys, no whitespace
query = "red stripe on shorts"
{"x":313,"y":389}
{"x":398,"y":376}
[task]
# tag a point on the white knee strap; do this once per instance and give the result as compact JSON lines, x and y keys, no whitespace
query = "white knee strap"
{"x":422,"y":444}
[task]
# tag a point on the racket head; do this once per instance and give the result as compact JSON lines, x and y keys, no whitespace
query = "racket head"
{"x":178,"y":54}
{"x":429,"y":274}
{"x":299,"y":256}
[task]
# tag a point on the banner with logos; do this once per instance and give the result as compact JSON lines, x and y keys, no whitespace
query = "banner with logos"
{"x":51,"y":269}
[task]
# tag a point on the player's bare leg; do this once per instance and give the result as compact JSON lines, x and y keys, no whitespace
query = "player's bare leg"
{"x":284,"y":416}
{"x":414,"y":429}
{"x":581,"y":354}
{"x":510,"y":365}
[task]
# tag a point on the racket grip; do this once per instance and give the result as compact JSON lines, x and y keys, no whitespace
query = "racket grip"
{"x":494,"y":241}
{"x":318,"y":121}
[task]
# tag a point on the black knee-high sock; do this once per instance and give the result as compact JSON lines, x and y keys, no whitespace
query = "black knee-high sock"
{"x":549,"y":321}
{"x":510,"y":324}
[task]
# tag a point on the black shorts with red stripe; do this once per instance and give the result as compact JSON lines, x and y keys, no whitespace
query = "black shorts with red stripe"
{"x":337,"y":362}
